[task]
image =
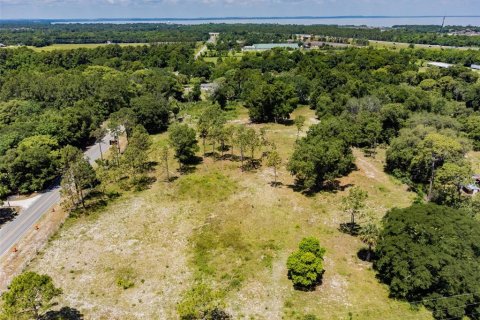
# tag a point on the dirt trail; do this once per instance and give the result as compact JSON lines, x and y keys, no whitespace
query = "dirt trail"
{"x":365,"y":165}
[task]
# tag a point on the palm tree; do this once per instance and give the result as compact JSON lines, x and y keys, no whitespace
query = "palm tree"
{"x":369,"y":235}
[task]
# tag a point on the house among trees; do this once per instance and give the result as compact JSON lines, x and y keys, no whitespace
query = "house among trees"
{"x":209,"y":86}
{"x":268,"y":46}
{"x":439,"y":64}
{"x":474,"y":188}
{"x":320,"y":44}
{"x":304,"y":37}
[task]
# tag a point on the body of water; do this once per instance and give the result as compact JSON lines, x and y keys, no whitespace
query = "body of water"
{"x":356,"y":21}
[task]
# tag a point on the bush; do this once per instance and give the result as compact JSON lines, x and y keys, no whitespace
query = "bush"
{"x":430,"y":252}
{"x":305,"y":266}
{"x":125,"y":278}
{"x":201,"y":302}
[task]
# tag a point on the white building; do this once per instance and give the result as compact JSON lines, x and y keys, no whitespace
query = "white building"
{"x":440,"y":64}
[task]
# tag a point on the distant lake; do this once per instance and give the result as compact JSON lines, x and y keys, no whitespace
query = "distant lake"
{"x":357,"y":21}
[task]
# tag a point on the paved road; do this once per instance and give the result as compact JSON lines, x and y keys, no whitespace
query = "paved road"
{"x":212,"y":39}
{"x":13,"y":231}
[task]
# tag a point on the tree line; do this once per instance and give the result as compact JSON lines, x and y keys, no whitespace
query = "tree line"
{"x":45,"y":33}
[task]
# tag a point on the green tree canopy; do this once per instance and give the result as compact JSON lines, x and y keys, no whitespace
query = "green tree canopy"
{"x":305,"y":266}
{"x":184,"y":141}
{"x":318,"y":159}
{"x":271,"y":102}
{"x":33,"y":164}
{"x":29,"y":296}
{"x":152,"y":112}
{"x":428,"y":252}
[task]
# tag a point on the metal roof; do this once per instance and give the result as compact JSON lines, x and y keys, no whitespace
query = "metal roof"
{"x":439,"y":64}
{"x":267,"y":46}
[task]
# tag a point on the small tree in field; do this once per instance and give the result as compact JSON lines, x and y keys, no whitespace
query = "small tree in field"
{"x":29,"y":296}
{"x":299,"y":123}
{"x":354,"y":202}
{"x":369,"y":235}
{"x":274,"y":161}
{"x":164,"y":155}
{"x":305,"y":266}
{"x":242,"y":141}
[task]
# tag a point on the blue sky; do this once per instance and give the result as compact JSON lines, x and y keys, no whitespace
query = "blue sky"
{"x":214,"y":8}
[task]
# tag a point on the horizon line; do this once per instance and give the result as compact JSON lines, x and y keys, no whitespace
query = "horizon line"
{"x":243,"y":18}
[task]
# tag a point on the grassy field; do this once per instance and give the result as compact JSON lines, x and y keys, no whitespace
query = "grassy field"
{"x":236,"y":55}
{"x":400,"y":45}
{"x":230,"y":231}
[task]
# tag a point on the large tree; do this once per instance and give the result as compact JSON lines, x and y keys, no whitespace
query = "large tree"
{"x":184,"y":141}
{"x":33,"y":164}
{"x":29,"y":296}
{"x":431,"y":253}
{"x":77,"y":174}
{"x":152,"y":112}
{"x":268,"y":102}
{"x":135,"y":158}
{"x":317,"y":159}
{"x":418,"y":153}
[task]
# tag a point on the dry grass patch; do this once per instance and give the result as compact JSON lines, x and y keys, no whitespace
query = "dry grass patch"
{"x":229,"y":233}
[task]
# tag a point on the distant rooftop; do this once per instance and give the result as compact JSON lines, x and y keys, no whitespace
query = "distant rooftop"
{"x":440,"y":64}
{"x":268,"y":46}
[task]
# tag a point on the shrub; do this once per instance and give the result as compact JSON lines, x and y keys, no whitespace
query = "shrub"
{"x":125,"y":278}
{"x":201,"y":302}
{"x":305,"y":266}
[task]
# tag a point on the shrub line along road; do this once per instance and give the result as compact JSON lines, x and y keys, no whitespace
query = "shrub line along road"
{"x":14,"y":230}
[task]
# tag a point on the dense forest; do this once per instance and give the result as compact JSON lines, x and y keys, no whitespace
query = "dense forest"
{"x":44,"y":33}
{"x":426,"y":118}
{"x":373,"y":95}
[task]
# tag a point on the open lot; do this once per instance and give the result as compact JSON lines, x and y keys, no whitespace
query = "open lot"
{"x":230,"y":230}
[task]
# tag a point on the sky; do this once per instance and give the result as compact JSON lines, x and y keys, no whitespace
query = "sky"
{"x":68,"y":9}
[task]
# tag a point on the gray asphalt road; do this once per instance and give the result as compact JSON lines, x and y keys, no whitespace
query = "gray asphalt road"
{"x":14,"y":230}
{"x":204,"y":48}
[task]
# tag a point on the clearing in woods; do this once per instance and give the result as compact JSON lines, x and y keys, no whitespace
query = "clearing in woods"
{"x":230,"y":230}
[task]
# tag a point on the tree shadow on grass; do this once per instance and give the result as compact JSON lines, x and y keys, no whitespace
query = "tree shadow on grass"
{"x":366,"y":255}
{"x":251,"y":164}
{"x":191,"y":165}
{"x":229,"y":156}
{"x":7,"y":214}
{"x":150,"y":166}
{"x":66,"y":313}
{"x":352,"y":229}
{"x":144,"y":182}
{"x":287,"y":122}
{"x":329,"y":186}
{"x":276,"y":184}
